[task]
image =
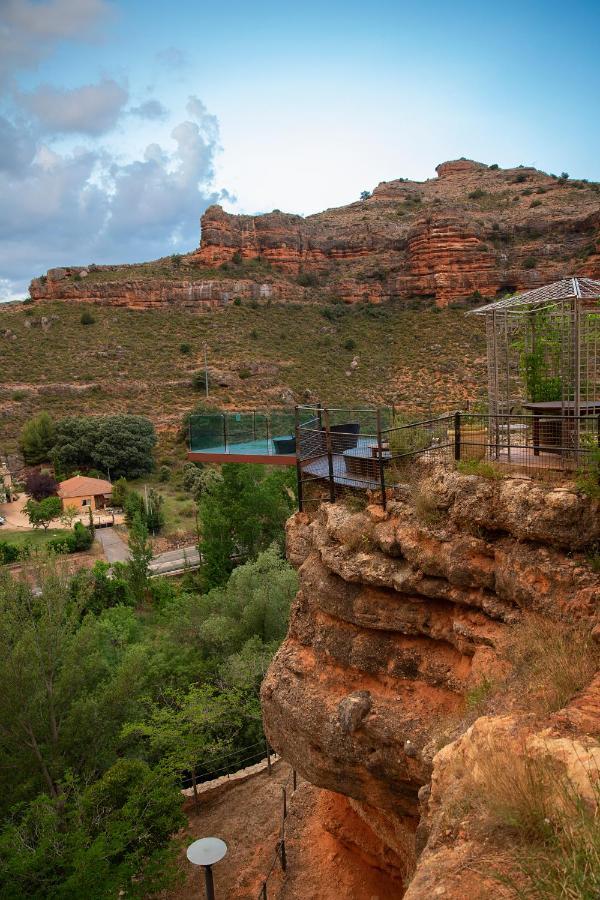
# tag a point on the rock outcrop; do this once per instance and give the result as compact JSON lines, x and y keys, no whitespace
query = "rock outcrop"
{"x":474,"y":230}
{"x":396,"y":622}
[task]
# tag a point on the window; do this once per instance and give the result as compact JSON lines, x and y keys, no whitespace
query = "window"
{"x":85,"y":502}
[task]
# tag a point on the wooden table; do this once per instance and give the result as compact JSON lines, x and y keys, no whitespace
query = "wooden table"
{"x":565,"y":413}
{"x":362,"y":462}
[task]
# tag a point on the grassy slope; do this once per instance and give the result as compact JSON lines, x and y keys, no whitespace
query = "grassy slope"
{"x":130,"y":360}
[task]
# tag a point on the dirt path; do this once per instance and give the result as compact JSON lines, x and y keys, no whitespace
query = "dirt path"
{"x":247,"y":818}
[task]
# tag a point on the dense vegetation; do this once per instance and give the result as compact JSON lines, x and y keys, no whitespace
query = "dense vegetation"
{"x":118,"y":688}
{"x":120,"y":445}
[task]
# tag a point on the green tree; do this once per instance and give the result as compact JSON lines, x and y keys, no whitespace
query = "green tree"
{"x":189,"y":729}
{"x":241,"y":515}
{"x":37,"y":439}
{"x":141,"y":554}
{"x":42,"y":512}
{"x":155,"y":516}
{"x":119,"y":492}
{"x":121,"y":444}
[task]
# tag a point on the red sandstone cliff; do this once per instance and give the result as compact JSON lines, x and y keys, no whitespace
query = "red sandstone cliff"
{"x":472,"y":228}
{"x":401,"y":617}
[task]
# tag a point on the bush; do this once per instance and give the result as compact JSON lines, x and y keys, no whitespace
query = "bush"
{"x":186,"y":349}
{"x":199,"y":381}
{"x":40,"y":484}
{"x":350,"y":344}
{"x":477,"y":194}
{"x":9,"y":553}
{"x":164,"y":474}
{"x":494,"y":167}
{"x":87,"y":318}
{"x":237,"y":301}
{"x":308,"y":279}
{"x":529,"y":262}
{"x":37,"y":439}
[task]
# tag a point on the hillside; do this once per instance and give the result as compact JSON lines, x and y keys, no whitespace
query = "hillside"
{"x":259,"y":356}
{"x":473,"y":230}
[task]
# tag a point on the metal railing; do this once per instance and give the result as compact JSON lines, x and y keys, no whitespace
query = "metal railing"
{"x":251,"y":432}
{"x":375,"y":454}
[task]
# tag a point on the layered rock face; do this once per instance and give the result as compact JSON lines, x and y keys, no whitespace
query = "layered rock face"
{"x":473,"y":228}
{"x":395,"y":622}
{"x":80,"y":285}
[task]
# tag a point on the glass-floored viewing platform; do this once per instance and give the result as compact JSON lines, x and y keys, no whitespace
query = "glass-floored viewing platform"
{"x":257,"y":437}
{"x":270,"y":438}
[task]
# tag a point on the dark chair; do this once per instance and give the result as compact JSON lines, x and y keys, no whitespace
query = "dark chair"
{"x":284,"y":446}
{"x":345,"y":436}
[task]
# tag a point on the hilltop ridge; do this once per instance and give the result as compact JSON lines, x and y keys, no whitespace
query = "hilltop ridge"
{"x":472,"y":231}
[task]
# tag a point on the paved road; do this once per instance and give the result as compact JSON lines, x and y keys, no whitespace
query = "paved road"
{"x":116,"y":550}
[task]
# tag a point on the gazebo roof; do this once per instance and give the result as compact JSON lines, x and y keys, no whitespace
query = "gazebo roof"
{"x":566,"y":289}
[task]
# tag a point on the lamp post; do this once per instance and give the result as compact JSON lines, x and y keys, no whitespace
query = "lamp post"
{"x":206,"y":852}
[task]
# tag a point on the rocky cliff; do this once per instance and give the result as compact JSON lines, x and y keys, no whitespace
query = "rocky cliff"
{"x":400,"y":628}
{"x":472,"y":230}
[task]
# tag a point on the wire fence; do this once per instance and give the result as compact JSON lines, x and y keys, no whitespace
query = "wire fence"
{"x":279,"y":859}
{"x":366,"y":451}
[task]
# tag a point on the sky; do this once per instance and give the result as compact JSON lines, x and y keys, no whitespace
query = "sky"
{"x":121,"y":122}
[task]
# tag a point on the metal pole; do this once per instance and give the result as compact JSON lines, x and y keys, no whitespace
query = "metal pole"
{"x":298,"y":460}
{"x":208,"y":879}
{"x":205,"y":371}
{"x":380,"y":455}
{"x":284,"y":802}
{"x":329,"y":456}
{"x":457,"y":435}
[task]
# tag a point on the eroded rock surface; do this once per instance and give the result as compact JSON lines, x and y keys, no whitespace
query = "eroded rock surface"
{"x":395,"y":622}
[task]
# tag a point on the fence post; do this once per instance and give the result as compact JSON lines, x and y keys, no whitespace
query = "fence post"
{"x":298,"y":460}
{"x":282,"y":855}
{"x":329,"y":456}
{"x":456,"y":435}
{"x":284,"y":802}
{"x":269,"y":767}
{"x":380,"y":455}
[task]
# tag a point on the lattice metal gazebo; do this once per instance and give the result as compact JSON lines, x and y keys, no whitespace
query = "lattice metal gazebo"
{"x":544,"y":360}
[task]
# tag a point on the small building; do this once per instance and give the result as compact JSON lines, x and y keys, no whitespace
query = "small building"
{"x":82,"y":492}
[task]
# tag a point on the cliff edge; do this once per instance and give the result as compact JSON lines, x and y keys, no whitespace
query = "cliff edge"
{"x":435,"y":649}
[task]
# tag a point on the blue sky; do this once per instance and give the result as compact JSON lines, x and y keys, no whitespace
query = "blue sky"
{"x":104,"y":156}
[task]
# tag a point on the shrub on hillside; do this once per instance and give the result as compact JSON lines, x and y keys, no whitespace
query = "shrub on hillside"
{"x":87,"y":318}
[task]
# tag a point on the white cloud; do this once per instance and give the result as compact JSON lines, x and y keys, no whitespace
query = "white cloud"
{"x":90,"y":109}
{"x":87,"y":206}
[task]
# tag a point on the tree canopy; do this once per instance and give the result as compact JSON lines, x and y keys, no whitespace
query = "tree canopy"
{"x":107,"y":706}
{"x":121,"y":444}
